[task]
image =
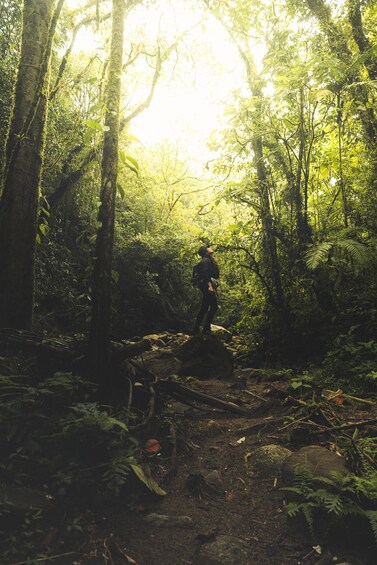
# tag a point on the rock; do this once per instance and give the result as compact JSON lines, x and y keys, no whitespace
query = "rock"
{"x":269,"y":375}
{"x":205,"y":357}
{"x":225,"y":550}
{"x":167,"y":521}
{"x":161,"y":363}
{"x":24,"y":497}
{"x":210,"y":429}
{"x":215,"y":481}
{"x":221,"y":333}
{"x":152,"y":337}
{"x":319,"y":462}
{"x":266,"y":462}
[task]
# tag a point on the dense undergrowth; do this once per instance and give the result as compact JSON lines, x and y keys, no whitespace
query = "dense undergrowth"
{"x":62,"y":456}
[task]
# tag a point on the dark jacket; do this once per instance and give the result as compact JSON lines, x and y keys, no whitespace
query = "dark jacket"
{"x":208,"y":270}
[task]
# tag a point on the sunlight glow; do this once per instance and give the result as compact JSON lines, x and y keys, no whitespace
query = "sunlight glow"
{"x":190,"y":97}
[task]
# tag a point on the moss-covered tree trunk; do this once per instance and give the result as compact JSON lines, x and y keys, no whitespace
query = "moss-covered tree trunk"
{"x":99,"y":339}
{"x":23,"y":165}
{"x":269,"y":238}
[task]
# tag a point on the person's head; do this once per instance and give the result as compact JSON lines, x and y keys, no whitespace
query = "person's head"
{"x":205,"y":250}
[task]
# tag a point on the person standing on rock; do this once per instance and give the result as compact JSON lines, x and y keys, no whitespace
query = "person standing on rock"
{"x":208,"y":273}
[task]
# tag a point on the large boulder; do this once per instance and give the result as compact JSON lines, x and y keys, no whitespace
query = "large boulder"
{"x":316,"y":460}
{"x":221,"y":333}
{"x":161,"y":363}
{"x":205,"y":357}
{"x":266,"y":462}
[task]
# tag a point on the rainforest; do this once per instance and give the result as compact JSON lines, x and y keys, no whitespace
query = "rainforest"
{"x":135,"y":134}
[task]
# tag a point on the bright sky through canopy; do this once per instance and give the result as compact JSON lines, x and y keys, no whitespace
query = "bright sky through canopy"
{"x":195,"y":84}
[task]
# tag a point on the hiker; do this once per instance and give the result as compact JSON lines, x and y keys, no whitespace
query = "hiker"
{"x":208,"y":273}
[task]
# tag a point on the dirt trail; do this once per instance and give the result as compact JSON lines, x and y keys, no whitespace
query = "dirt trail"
{"x":249,"y":509}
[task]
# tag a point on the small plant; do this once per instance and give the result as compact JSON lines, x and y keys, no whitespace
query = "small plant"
{"x":322,"y":500}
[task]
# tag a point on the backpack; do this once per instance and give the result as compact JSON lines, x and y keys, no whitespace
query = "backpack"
{"x":196,"y":278}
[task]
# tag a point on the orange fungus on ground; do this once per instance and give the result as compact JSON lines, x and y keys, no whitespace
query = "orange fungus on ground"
{"x":152,"y":446}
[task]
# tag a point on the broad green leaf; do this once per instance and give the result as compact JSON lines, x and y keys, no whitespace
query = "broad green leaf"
{"x":116,"y":422}
{"x":121,"y":190}
{"x":143,"y":474}
{"x":93,"y":125}
{"x":129,"y":161}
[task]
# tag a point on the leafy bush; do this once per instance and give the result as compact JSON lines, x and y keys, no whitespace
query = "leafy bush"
{"x":59,"y":446}
{"x":352,"y":361}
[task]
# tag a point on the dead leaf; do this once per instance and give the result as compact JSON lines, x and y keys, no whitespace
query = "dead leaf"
{"x":339,"y":400}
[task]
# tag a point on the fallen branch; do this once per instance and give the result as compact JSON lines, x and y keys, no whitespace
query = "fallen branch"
{"x":259,"y":425}
{"x":173,"y":387}
{"x":331,"y":395}
{"x":347,"y":426}
{"x":131,"y":350}
{"x":46,"y":558}
{"x":151,"y":410}
{"x":255,"y":395}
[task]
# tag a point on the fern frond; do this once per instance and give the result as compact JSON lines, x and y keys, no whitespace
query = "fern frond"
{"x":358,"y":252}
{"x":307,"y":511}
{"x":372,"y":518}
{"x":317,"y":254}
{"x":332,"y":502}
{"x":292,"y":509}
{"x":350,"y":508}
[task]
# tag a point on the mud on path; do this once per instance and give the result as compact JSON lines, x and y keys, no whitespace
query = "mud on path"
{"x":247,"y":510}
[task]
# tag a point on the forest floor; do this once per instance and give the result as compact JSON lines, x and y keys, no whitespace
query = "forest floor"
{"x":191,"y":521}
{"x":215,"y":511}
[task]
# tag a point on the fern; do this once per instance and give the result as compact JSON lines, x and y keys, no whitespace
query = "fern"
{"x":358,"y":252}
{"x":332,"y":502}
{"x":292,"y":509}
{"x":336,"y":497}
{"x":319,"y":253}
{"x":372,"y":517}
{"x":307,"y":510}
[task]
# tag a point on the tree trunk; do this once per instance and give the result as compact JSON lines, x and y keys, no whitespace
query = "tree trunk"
{"x":24,"y":159}
{"x":99,"y":339}
{"x":269,"y":239}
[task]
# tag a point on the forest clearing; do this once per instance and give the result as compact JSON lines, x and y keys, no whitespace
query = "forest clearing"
{"x":188,"y":282}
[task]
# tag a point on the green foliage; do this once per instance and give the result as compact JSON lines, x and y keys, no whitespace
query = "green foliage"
{"x":319,"y":253}
{"x":63,"y":446}
{"x":327,"y":503}
{"x":351,"y":361}
{"x":154,"y":290}
{"x":10,"y":32}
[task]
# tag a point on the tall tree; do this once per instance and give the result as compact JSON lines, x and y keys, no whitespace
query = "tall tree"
{"x":23,"y":164}
{"x":99,"y":339}
{"x":239,"y":36}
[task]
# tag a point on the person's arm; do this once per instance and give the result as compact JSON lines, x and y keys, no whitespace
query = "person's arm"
{"x":207,"y":273}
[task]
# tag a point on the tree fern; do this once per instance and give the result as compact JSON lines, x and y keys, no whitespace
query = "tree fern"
{"x":357,"y":251}
{"x":319,"y":253}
